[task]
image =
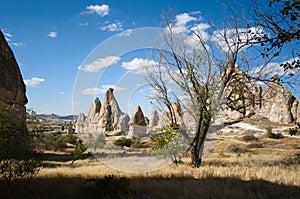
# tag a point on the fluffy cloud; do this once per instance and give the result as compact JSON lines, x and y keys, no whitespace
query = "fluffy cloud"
{"x":183,"y":19}
{"x":126,"y":33}
{"x":117,"y":26}
{"x":139,"y":65}
{"x":33,"y":82}
{"x":236,"y":37}
{"x":101,"y":90}
{"x":273,"y":68}
{"x":102,"y":10}
{"x":99,"y":64}
{"x":52,"y":34}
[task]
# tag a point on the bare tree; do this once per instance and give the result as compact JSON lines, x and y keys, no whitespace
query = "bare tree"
{"x":282,"y":20}
{"x":188,"y":62}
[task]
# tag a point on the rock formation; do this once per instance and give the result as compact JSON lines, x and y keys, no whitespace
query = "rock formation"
{"x":12,"y":89}
{"x":154,"y":118}
{"x":80,"y":123}
{"x":275,"y":102}
{"x":137,"y":124}
{"x":110,"y":112}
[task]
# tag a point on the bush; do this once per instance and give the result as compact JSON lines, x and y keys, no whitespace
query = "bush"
{"x":249,"y":138}
{"x":255,"y":145}
{"x":273,"y":135}
{"x":236,"y":149}
{"x":54,"y":141}
{"x":123,"y":142}
{"x":294,"y":131}
{"x":79,"y":150}
{"x":71,"y":139}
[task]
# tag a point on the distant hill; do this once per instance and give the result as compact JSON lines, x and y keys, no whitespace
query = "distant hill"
{"x":57,"y":117}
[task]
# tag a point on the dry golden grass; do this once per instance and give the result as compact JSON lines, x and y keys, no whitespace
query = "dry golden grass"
{"x":269,"y":172}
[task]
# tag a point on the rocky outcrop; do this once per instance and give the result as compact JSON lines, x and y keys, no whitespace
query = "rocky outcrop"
{"x":110,"y":112}
{"x":12,"y":90}
{"x":154,"y":118}
{"x":275,"y":102}
{"x":80,"y":123}
{"x":298,"y":113}
{"x":137,"y":124}
{"x":123,"y":123}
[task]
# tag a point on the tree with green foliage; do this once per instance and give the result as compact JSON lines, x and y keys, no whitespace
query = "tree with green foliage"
{"x":168,"y":142}
{"x":18,"y":157}
{"x":282,"y":21}
{"x":79,"y":150}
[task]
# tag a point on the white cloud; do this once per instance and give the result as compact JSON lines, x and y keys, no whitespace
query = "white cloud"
{"x":117,"y":26}
{"x":102,"y":10}
{"x":125,"y":33}
{"x":139,"y":65}
{"x":274,"y":68}
{"x":102,"y":89}
{"x":7,"y":35}
{"x":18,"y":44}
{"x":183,"y":19}
{"x":61,"y":92}
{"x":236,"y":37}
{"x":99,"y":64}
{"x":84,"y":24}
{"x":52,"y":34}
{"x":33,"y":82}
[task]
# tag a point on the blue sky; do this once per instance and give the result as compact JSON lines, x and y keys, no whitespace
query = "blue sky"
{"x":54,"y":41}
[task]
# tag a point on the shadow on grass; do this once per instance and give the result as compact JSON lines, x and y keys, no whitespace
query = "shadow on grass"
{"x":149,"y":187}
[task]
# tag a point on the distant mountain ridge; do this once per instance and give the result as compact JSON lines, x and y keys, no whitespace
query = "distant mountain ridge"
{"x":58,"y":117}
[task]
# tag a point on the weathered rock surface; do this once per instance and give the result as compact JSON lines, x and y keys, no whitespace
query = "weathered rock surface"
{"x":154,"y":118}
{"x":137,"y":124}
{"x":123,"y":123}
{"x":138,"y":117}
{"x":80,"y":123}
{"x":12,"y":89}
{"x":277,"y":102}
{"x":110,"y":112}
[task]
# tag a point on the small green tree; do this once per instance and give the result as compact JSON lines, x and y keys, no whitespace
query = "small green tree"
{"x":168,"y":142}
{"x":79,"y":150}
{"x":18,"y":158}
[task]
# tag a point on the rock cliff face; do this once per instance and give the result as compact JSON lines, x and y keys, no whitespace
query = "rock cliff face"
{"x":275,"y":102}
{"x":12,"y":89}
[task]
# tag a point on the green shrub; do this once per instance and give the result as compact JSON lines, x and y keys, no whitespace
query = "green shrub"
{"x":255,"y":145}
{"x":123,"y":142}
{"x":72,"y":139}
{"x":54,"y":141}
{"x":249,"y":138}
{"x":79,"y":150}
{"x":273,"y":135}
{"x":234,"y":148}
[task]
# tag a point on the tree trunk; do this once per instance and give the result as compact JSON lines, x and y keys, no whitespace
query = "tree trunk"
{"x":198,"y":143}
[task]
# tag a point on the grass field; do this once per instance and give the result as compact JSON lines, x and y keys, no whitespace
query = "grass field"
{"x":236,"y":168}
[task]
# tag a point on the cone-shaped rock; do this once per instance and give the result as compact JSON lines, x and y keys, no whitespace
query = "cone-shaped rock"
{"x":154,"y":118}
{"x":110,"y":112}
{"x":138,"y":117}
{"x":79,"y":124}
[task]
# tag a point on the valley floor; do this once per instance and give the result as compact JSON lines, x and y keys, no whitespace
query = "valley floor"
{"x":236,"y":166}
